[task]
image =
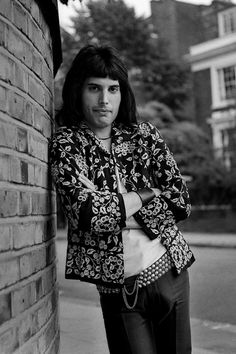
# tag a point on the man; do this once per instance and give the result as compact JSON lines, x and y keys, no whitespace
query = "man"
{"x":123,"y":194}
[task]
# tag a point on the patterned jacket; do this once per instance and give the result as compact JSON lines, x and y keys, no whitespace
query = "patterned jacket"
{"x":96,"y":219}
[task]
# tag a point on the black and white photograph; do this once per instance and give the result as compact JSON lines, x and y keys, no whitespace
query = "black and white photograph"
{"x":117,"y":176}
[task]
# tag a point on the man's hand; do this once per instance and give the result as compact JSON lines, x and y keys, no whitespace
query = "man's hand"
{"x":87,"y":183}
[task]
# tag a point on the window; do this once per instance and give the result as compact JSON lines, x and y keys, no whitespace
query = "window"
{"x":227,"y":82}
{"x":227,"y":21}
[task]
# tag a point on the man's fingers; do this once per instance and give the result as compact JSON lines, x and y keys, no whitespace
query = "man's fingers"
{"x":86,"y":182}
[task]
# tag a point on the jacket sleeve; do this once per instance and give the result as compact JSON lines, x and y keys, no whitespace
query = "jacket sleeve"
{"x":99,"y":211}
{"x":173,"y":204}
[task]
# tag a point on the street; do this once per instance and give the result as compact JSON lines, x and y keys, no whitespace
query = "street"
{"x":213,"y":315}
{"x":213,"y":285}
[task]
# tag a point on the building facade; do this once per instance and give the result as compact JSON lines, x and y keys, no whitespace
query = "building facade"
{"x":213,"y":64}
{"x":205,"y":37}
{"x":181,"y":25}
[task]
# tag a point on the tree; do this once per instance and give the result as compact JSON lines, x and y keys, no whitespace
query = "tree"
{"x":114,"y":23}
{"x":210,"y":182}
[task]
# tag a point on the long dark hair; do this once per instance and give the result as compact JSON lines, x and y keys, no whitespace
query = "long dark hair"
{"x":95,"y":61}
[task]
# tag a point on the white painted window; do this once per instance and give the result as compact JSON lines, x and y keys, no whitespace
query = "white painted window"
{"x":227,"y":82}
{"x":227,"y":21}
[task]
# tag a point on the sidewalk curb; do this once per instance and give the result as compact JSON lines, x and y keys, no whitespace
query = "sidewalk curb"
{"x":227,"y":241}
{"x":212,"y":245}
{"x":82,"y":331}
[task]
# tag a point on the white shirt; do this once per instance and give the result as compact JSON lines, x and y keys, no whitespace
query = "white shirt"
{"x":139,"y":251}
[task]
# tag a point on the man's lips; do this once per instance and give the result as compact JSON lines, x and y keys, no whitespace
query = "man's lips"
{"x":102,"y":110}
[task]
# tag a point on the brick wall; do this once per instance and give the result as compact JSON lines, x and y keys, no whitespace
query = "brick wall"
{"x":28,"y":287}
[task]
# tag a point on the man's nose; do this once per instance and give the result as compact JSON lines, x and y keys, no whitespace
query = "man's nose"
{"x":103,"y":97}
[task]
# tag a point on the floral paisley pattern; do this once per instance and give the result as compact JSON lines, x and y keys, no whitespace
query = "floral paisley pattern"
{"x":96,"y":219}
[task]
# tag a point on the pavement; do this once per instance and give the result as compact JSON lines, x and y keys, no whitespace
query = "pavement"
{"x":82,"y":329}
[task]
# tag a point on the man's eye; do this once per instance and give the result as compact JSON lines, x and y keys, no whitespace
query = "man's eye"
{"x":114,"y":89}
{"x":93,"y":88}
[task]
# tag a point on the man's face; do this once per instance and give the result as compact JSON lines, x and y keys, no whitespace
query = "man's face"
{"x":101,"y":101}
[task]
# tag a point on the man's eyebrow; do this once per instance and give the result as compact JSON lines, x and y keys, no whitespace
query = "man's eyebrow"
{"x":96,"y":84}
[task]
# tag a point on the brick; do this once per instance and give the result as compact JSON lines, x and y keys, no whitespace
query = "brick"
{"x":9,"y":272}
{"x":9,"y":341}
{"x":6,"y":238}
{"x":27,"y":4}
{"x":44,"y":313}
{"x":31,"y":176}
{"x":22,"y":140}
{"x":38,"y":113}
{"x":36,"y":36}
{"x":28,"y":113}
{"x":33,"y":146}
{"x":50,"y":253}
{"x":42,"y":123}
{"x":53,"y":203}
{"x":6,"y":69}
{"x":47,"y":281}
{"x":47,"y":127}
{"x":42,"y":343}
{"x":46,"y":30}
{"x":8,"y":203}
{"x":47,"y":77}
{"x":30,"y":348}
{"x":24,"y":329}
{"x":23,"y":235}
{"x":19,"y":17}
{"x":54,"y":299}
{"x":50,"y":331}
{"x":19,"y":47}
{"x":5,"y":308}
{"x":21,"y":78}
{"x":36,"y":91}
{"x":39,"y":232}
{"x":46,"y":178}
{"x":40,"y":203}
{"x":2,"y":34}
{"x":54,"y":275}
{"x":39,"y":288}
{"x":24,"y":172}
{"x":35,"y":12}
{"x":48,"y":103}
{"x":50,"y":230}
{"x":38,"y":259}
{"x":34,"y":323}
{"x":6,"y":8}
{"x":41,"y":176}
{"x":54,"y":349}
{"x":7,"y":135}
{"x":47,"y":54}
{"x":3,"y":99}
{"x":33,"y":292}
{"x":37,"y":63}
{"x":21,"y":300}
{"x":25,"y":203}
{"x":26,"y":265}
{"x":15,"y":170}
{"x":4,"y":170}
{"x":38,"y":175}
{"x":16,"y":106}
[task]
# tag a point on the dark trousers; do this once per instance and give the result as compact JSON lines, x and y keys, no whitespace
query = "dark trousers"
{"x":158,"y":324}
